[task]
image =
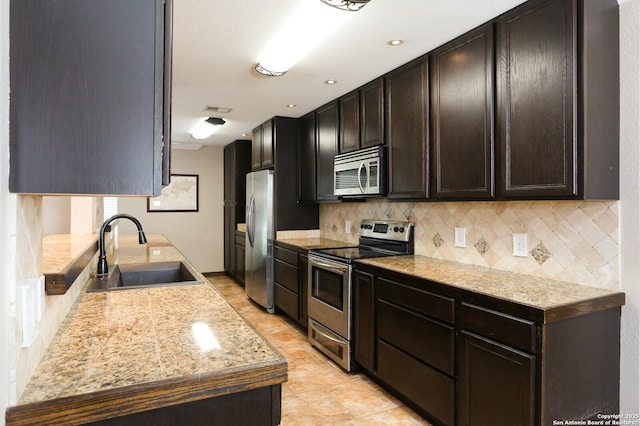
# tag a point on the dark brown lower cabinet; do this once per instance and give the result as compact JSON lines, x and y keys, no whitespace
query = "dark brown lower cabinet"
{"x":303,"y":265}
{"x":495,"y":385}
{"x":467,"y":359}
{"x":239,"y":256}
{"x":290,"y":282}
{"x":364,"y":320}
{"x":424,"y":388}
{"x":261,"y":406}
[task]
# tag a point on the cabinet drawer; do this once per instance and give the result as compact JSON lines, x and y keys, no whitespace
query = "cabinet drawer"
{"x":427,"y":388}
{"x":286,"y":301}
{"x":285,"y":275}
{"x":421,"y":301}
{"x":285,"y":255}
{"x":500,"y":327}
{"x":425,"y":339}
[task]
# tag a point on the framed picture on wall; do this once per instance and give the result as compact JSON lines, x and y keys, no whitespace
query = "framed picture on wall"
{"x":181,"y":195}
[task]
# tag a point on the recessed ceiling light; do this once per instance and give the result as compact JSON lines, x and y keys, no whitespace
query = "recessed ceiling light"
{"x":206,"y":127}
{"x":331,"y":81}
{"x":395,"y":42}
{"x":244,"y":135}
{"x":291,"y":105}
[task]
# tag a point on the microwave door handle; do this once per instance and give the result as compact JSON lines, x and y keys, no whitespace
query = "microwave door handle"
{"x":363,"y":166}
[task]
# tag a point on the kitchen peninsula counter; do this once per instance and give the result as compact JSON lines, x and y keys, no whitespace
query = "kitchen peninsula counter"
{"x":544,"y":300}
{"x":128,"y":351}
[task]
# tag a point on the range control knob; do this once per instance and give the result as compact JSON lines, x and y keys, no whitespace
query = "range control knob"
{"x":395,"y":229}
{"x":401,"y":229}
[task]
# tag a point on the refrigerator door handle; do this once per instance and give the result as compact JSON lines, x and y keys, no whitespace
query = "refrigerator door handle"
{"x":250,"y":220}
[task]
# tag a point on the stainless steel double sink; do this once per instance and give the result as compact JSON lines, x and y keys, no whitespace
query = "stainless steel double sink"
{"x":145,"y":275}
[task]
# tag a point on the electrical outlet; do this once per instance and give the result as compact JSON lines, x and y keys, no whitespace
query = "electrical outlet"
{"x":460,"y":237}
{"x":347,"y":226}
{"x":520,"y":245}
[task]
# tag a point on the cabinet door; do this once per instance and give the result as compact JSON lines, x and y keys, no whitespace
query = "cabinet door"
{"x":230,"y":239}
{"x":229,"y":172}
{"x":327,"y":126}
{"x":256,"y":149}
{"x":89,"y":88}
{"x":407,"y":131}
{"x":462,"y":117}
{"x":364,"y":320}
{"x":350,"y":122}
{"x":303,"y":262}
{"x":267,"y":158}
{"x":496,"y":384}
{"x":537,"y":101}
{"x":372,"y":114}
{"x":307,"y":159}
{"x":240,"y":262}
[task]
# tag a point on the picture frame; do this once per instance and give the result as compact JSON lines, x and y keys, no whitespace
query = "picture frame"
{"x":181,"y":195}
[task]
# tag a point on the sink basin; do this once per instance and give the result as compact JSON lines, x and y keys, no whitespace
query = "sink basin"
{"x":145,"y":275}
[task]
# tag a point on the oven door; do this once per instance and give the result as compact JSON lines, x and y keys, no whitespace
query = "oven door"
{"x":330,"y":294}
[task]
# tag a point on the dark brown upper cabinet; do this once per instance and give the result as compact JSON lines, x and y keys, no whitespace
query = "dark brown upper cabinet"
{"x":362,"y":117}
{"x":350,"y":122}
{"x":408,"y":130}
{"x":262,"y":146}
{"x":90,"y":96}
{"x":558,"y":100}
{"x":462,"y":118}
{"x":372,"y":114}
{"x":289,"y":213}
{"x":307,"y":159}
{"x":327,"y":122}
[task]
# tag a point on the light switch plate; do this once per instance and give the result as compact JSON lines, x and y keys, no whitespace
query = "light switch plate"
{"x":347,"y":226}
{"x":29,"y":316}
{"x":520,"y":245}
{"x":460,"y":235}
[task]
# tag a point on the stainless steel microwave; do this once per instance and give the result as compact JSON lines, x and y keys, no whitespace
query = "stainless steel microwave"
{"x":360,"y":173}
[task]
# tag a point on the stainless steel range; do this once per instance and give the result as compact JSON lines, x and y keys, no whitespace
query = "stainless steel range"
{"x":330,"y":277}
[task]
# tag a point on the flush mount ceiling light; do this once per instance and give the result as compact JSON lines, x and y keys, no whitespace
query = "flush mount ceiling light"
{"x":350,"y":5}
{"x":207,"y":127}
{"x":305,"y":29}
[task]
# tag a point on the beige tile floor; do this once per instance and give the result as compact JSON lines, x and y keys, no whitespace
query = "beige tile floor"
{"x":317,"y":392}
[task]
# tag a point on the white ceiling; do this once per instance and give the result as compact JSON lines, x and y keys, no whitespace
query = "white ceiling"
{"x":216,"y":44}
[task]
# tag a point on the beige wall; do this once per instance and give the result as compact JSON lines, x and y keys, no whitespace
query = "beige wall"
{"x":197,"y":235}
{"x":630,"y":203}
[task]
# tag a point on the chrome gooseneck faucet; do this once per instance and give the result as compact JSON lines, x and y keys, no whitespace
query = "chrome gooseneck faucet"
{"x":103,"y":268}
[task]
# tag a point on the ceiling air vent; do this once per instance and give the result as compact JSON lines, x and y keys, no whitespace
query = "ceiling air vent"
{"x":213,"y":109}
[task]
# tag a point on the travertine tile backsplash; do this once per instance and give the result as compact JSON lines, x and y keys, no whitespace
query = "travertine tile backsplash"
{"x":574,"y":241}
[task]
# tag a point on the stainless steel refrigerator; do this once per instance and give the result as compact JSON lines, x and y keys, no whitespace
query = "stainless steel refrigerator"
{"x":259,"y":237}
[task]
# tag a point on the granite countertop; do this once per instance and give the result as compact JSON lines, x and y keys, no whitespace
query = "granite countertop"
{"x":315,"y":243}
{"x":554,"y":299}
{"x":59,"y":250}
{"x":150,"y":346}
{"x":64,"y":257}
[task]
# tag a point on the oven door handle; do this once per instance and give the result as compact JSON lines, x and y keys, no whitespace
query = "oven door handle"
{"x":326,"y":336}
{"x":330,"y":266}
